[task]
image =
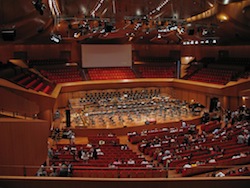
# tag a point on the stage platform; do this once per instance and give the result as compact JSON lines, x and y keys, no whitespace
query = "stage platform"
{"x":123,"y":129}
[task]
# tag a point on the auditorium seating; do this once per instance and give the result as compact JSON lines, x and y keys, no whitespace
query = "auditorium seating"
{"x":245,"y":74}
{"x":26,"y":78}
{"x":192,"y":69}
{"x":215,"y":76}
{"x":111,"y":73}
{"x":208,"y":168}
{"x":136,"y":138}
{"x":157,"y":71}
{"x":61,"y":75}
{"x":30,"y":80}
{"x":242,"y":171}
{"x":121,"y":173}
{"x":107,"y":139}
{"x":210,"y":126}
{"x":109,"y":151}
{"x":217,"y":146}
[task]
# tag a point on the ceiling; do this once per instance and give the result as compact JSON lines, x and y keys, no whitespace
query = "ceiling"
{"x":187,"y":22}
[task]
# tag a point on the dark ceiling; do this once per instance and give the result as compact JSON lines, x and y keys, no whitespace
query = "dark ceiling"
{"x":225,"y":22}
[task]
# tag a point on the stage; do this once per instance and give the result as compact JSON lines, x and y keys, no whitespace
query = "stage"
{"x":125,"y":127}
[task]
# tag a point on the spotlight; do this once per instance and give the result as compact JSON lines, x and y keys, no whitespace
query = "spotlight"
{"x":39,"y":5}
{"x":55,"y":38}
{"x":8,"y":34}
{"x":77,"y":34}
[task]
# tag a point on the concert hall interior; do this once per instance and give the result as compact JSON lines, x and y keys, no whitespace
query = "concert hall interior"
{"x":124,"y":93}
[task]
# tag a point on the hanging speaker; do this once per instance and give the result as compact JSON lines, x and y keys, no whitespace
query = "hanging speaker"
{"x":8,"y":34}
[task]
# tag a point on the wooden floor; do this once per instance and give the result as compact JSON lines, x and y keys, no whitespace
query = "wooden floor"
{"x":137,"y":121}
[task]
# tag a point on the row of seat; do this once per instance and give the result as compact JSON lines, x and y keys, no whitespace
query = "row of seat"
{"x":136,"y":138}
{"x":111,"y":73}
{"x":33,"y":81}
{"x":120,"y":173}
{"x":210,"y":75}
{"x":210,"y":126}
{"x":211,"y":167}
{"x":61,"y":75}
{"x":157,"y":72}
{"x":119,"y":155}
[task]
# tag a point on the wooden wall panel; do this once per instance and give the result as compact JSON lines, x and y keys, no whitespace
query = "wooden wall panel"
{"x":22,"y":142}
{"x":52,"y":182}
{"x":42,"y":51}
{"x":36,"y":51}
{"x":196,"y":51}
{"x":12,"y":102}
{"x":234,"y":102}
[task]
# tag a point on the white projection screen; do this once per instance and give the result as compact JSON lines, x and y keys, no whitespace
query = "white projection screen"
{"x":106,"y":55}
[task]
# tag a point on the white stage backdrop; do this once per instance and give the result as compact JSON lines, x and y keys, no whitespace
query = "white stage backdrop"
{"x":106,"y":56}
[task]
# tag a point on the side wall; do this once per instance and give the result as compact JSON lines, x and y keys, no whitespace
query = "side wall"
{"x":195,"y":51}
{"x":12,"y":102}
{"x":22,"y":142}
{"x":52,"y":51}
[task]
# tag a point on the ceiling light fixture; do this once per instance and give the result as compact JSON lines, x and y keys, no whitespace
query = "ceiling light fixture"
{"x":157,"y":9}
{"x":55,"y":38}
{"x":39,"y":6}
{"x":96,"y":8}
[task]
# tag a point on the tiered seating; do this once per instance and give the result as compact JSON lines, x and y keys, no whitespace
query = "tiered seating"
{"x":46,"y":62}
{"x":111,"y":73}
{"x":30,"y":80}
{"x":61,"y":75}
{"x":113,"y":159}
{"x":195,"y":150}
{"x":191,"y":70}
{"x":223,"y":162}
{"x":123,"y":170}
{"x":210,"y":126}
{"x":215,"y":76}
{"x":136,"y":138}
{"x":229,"y":149}
{"x":100,"y":167}
{"x":245,"y":74}
{"x":157,"y":72}
{"x":243,"y":171}
{"x":103,"y":139}
{"x":121,"y":173}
